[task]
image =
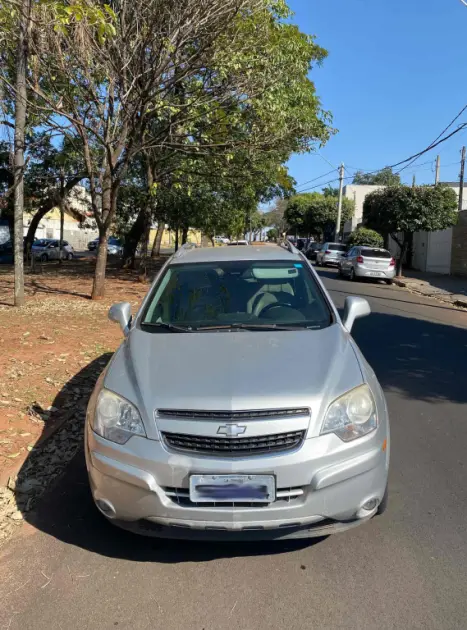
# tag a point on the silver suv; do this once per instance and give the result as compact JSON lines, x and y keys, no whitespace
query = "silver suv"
{"x":205,"y":424}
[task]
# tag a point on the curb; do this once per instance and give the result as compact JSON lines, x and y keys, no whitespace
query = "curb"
{"x":454,"y":299}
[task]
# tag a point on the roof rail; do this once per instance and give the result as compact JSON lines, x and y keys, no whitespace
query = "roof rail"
{"x":184,"y":249}
{"x":286,"y":244}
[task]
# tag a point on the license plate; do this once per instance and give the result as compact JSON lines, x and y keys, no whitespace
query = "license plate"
{"x":375,"y":273}
{"x":231,"y":488}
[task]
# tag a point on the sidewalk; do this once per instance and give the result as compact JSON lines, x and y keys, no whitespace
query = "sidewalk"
{"x":449,"y":289}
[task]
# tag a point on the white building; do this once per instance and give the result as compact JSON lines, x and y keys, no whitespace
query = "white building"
{"x":431,"y":250}
{"x":357,"y":194}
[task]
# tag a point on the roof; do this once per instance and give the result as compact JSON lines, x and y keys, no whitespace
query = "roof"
{"x":241,"y":252}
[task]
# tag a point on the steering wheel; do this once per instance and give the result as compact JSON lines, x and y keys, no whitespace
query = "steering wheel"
{"x":269,"y":307}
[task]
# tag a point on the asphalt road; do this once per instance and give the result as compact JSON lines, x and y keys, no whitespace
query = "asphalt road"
{"x":405,"y":570}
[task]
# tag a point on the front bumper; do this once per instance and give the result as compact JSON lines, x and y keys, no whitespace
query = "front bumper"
{"x":135,"y":480}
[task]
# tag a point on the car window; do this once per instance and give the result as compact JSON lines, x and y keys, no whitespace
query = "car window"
{"x":226,"y":293}
{"x":371,"y":252}
{"x":65,"y":243}
{"x":335,"y":247}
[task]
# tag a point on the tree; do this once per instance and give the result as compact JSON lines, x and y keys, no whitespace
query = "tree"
{"x":316,"y":214}
{"x":402,"y":210}
{"x":272,"y":234}
{"x":176,"y":77}
{"x":385,"y":177}
{"x":365,"y":236}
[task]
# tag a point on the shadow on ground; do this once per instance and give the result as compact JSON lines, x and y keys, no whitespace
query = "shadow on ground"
{"x":420,"y":359}
{"x":68,"y":278}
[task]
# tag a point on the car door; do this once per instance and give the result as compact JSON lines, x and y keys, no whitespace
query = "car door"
{"x":53,"y":251}
{"x":348,"y":260}
{"x":319,"y":255}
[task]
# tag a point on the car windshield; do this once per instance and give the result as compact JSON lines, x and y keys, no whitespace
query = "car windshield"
{"x":371,"y":252}
{"x":256,"y":295}
{"x":335,"y":247}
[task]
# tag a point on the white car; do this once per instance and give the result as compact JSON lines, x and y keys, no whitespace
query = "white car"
{"x":239,"y":243}
{"x":222,"y":240}
{"x":46,"y":249}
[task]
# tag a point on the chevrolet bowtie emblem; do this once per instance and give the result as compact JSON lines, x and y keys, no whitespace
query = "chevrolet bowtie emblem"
{"x":231,"y":430}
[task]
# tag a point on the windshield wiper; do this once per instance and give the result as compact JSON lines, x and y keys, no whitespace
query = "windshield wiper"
{"x":243,"y":326}
{"x":171,"y":327}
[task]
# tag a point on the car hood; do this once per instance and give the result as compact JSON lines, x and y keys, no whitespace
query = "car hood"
{"x":234,"y":371}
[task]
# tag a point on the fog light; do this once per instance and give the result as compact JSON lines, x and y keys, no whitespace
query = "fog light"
{"x":106,"y":508}
{"x":370,"y":505}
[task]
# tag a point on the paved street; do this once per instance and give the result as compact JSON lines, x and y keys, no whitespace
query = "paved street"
{"x":405,"y":570}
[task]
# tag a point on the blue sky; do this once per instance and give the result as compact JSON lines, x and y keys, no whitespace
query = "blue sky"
{"x":394,"y":78}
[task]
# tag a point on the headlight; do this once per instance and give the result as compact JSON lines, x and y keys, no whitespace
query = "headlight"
{"x":351,"y":416}
{"x":116,"y":419}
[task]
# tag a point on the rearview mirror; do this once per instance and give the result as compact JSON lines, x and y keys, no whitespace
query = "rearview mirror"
{"x":354,"y":308}
{"x":121,"y":313}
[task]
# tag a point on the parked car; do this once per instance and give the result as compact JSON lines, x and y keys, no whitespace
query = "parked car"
{"x":368,"y":262}
{"x":234,"y":243}
{"x":222,"y":240}
{"x":49,"y":249}
{"x":6,"y":253}
{"x":330,"y":254}
{"x":238,"y":439}
{"x":312,"y":249}
{"x":114,"y":246}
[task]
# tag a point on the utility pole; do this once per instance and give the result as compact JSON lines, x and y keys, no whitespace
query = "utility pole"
{"x":413,"y":181}
{"x":437,"y":170}
{"x":339,"y":203}
{"x":461,"y":182}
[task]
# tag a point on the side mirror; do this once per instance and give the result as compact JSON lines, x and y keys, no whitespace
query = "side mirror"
{"x":121,"y":313}
{"x":354,"y":308}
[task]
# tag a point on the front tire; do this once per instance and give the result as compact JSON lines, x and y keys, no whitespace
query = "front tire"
{"x":352,"y":274}
{"x":69,"y":256}
{"x":389,"y":281}
{"x":44,"y":258}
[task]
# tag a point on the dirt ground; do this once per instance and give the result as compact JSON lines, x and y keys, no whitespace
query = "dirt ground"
{"x":53,"y":349}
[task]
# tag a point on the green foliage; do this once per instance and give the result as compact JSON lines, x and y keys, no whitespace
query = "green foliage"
{"x":315,"y":213}
{"x":365,"y":236}
{"x":273,"y":234}
{"x":406,"y":209}
{"x":385,"y":177}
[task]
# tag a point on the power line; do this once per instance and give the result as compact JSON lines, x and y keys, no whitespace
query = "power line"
{"x":443,"y":132}
{"x":315,"y":179}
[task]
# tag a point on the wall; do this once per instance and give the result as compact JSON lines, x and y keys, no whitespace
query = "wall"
{"x":459,"y":246}
{"x":357,"y":193}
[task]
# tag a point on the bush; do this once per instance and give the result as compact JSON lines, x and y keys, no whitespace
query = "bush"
{"x":364,"y":236}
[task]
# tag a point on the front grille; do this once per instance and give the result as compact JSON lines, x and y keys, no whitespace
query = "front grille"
{"x":284,"y":496}
{"x":235,"y":446}
{"x":233,"y":415}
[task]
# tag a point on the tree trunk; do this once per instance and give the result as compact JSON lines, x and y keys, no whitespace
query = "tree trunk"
{"x":156,"y":246}
{"x":176,"y":238}
{"x":98,"y":287}
{"x":109,"y":203}
{"x":409,"y":255}
{"x":133,"y":238}
{"x":20,"y":128}
{"x":184,"y":235}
